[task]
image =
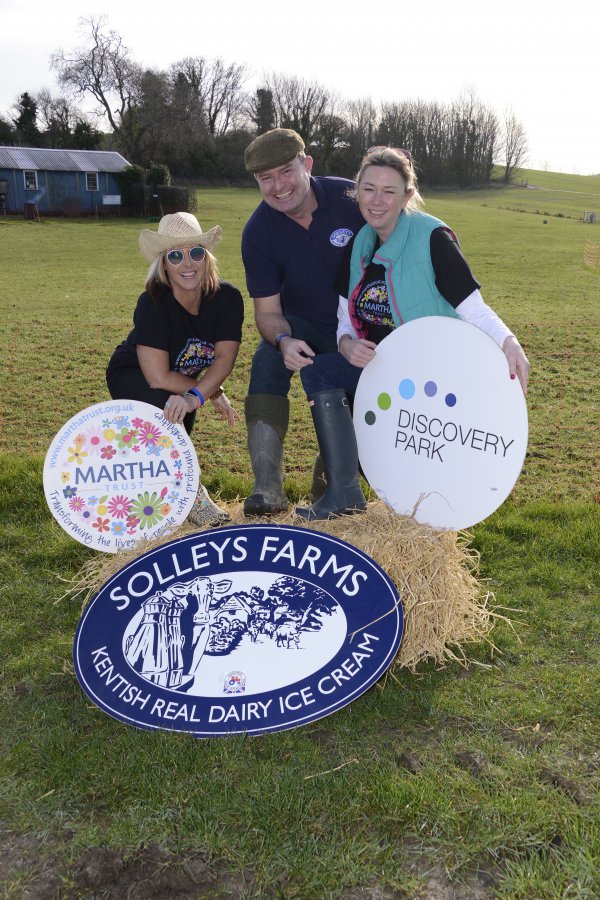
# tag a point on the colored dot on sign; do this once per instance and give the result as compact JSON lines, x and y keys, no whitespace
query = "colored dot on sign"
{"x":431,"y":388}
{"x":450,"y":400}
{"x":370,"y":417}
{"x":148,"y":510}
{"x":384,"y":401}
{"x":407,"y":388}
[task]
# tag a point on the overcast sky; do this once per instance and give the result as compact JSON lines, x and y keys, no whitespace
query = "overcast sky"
{"x":541,"y":60}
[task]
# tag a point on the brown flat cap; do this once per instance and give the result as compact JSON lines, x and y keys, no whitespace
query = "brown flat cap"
{"x":273,"y":148}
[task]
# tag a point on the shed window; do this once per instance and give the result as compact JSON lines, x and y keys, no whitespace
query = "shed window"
{"x":30,"y":180}
{"x":91,"y":181}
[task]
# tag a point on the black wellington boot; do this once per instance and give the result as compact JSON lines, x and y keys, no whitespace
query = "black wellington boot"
{"x":337,"y":444}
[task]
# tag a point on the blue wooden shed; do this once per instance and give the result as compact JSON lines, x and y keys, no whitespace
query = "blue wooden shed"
{"x":58,"y":182}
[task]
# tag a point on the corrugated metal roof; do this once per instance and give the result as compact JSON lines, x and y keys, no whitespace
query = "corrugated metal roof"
{"x":61,"y":160}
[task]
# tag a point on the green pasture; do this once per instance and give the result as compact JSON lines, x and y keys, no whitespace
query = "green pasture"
{"x":466,"y":782}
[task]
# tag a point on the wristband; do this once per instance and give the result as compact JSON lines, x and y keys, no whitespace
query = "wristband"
{"x":196,"y":393}
{"x":279,"y":338}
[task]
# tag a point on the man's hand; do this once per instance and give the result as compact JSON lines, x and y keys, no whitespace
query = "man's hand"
{"x":296,"y":353}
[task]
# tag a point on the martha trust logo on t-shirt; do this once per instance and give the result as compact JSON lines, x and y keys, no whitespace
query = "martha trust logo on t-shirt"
{"x":195,"y":356}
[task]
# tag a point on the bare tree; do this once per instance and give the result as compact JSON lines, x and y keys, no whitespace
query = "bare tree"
{"x":212,"y":91}
{"x":298,"y":104}
{"x":361,"y":125}
{"x":105,"y":71}
{"x":514,"y":145}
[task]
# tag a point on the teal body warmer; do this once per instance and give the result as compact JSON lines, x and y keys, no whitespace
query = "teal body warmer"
{"x":409,"y":274}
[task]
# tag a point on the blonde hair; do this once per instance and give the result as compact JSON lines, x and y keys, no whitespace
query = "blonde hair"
{"x":401,"y":163}
{"x":158,"y":274}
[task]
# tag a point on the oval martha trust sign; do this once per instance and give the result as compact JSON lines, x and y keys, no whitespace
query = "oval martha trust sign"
{"x":118,"y":472}
{"x":441,"y":428}
{"x":253,"y":628}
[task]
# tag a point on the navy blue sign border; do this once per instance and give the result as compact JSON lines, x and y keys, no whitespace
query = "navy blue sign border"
{"x":381,"y":621}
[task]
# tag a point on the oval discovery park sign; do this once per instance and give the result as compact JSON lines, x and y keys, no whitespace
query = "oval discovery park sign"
{"x":441,"y":428}
{"x":253,"y":628}
{"x":118,"y":472}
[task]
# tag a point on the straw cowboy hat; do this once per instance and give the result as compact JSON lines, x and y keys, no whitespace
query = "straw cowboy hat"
{"x":180,"y":229}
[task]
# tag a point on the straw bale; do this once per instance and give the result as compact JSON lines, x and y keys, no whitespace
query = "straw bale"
{"x":446,"y":606}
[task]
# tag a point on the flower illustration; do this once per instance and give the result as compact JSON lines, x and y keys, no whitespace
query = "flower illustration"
{"x":79,"y":441}
{"x":118,"y":528}
{"x":76,"y":455}
{"x":149,"y":434}
{"x":126,"y":437}
{"x":101,"y":524}
{"x":136,"y":448}
{"x":147,"y":508}
{"x":92,"y":501}
{"x":119,"y":507}
{"x":174,"y":454}
{"x":173,"y":496}
{"x":64,"y":477}
{"x":76,"y":504}
{"x":93,"y":440}
{"x":131,"y":531}
{"x":106,"y":423}
{"x":108,"y":452}
{"x":165,"y":509}
{"x":109,"y":434}
{"x":165,"y":441}
{"x":69,"y":491}
{"x":132,"y":521}
{"x":137,"y":422}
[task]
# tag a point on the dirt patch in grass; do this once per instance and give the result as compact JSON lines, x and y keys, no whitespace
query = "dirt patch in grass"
{"x":33,"y":867}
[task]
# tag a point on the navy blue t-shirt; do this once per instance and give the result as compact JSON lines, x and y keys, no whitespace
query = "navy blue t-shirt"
{"x":282,"y":257}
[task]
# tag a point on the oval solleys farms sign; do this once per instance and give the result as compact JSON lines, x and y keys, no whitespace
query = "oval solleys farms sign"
{"x":253,"y":628}
{"x":118,"y":472}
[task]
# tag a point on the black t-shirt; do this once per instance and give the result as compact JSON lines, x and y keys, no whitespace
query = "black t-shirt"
{"x":188,"y":339}
{"x":453,"y":278}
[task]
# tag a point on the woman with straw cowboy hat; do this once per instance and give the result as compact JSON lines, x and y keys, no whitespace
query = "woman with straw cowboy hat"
{"x":186,"y":335}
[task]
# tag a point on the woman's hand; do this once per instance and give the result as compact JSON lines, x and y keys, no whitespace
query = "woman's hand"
{"x":224,"y":408}
{"x":177,"y":407}
{"x":357,"y":351}
{"x":518,"y":364}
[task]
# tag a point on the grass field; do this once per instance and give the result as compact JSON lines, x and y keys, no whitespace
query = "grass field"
{"x":466,"y":782}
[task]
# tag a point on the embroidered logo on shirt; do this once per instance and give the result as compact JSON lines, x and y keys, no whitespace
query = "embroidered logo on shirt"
{"x":340,"y":237}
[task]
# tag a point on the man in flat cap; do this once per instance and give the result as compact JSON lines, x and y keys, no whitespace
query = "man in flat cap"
{"x":291,"y":247}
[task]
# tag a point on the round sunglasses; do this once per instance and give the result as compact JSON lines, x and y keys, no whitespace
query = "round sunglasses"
{"x":176,"y":257}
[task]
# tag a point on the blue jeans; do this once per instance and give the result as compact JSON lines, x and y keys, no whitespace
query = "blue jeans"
{"x":268,"y":374}
{"x":330,"y":371}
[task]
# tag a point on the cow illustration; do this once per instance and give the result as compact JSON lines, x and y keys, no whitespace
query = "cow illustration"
{"x":287,"y":634}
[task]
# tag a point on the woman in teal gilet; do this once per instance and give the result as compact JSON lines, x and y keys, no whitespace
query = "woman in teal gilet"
{"x":402,"y":265}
